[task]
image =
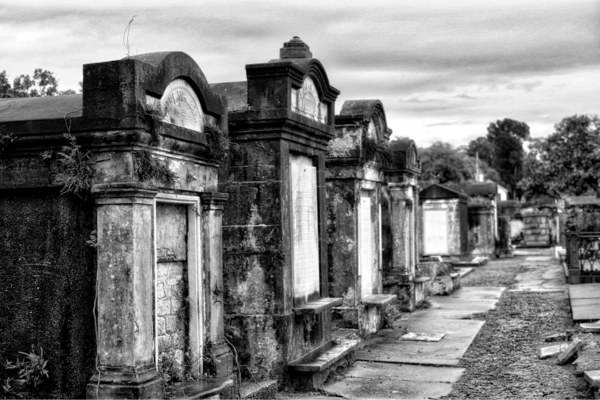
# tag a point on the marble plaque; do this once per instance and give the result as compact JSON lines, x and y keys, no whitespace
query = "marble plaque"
{"x":305,"y":230}
{"x":436,"y":231}
{"x":180,"y":105}
{"x":306,"y":101}
{"x":366,"y":245}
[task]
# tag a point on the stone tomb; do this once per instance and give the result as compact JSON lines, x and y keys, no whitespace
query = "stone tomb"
{"x":354,"y":190}
{"x":277,"y":303}
{"x":400,"y":223}
{"x":134,"y":254}
{"x":482,"y":216}
{"x":444,"y":228}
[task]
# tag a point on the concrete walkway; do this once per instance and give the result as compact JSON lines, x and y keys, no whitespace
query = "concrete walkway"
{"x":532,"y":278}
{"x":585,"y":301}
{"x":389,"y":367}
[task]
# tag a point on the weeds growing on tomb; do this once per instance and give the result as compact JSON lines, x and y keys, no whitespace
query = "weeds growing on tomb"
{"x":6,"y":139}
{"x":76,"y":168}
{"x":149,"y":168}
{"x":218,"y":143}
{"x":152,"y":114}
{"x":31,"y":368}
{"x":126,"y":36}
{"x":377,"y":151}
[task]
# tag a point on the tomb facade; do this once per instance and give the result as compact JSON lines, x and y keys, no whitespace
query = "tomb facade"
{"x":444,"y":229}
{"x":355,"y":177}
{"x":277,"y":304}
{"x":400,"y":223}
{"x":109,"y":203}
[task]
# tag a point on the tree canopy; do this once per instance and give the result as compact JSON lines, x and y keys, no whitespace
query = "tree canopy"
{"x":441,"y":163}
{"x":567,"y":162}
{"x":43,"y":83}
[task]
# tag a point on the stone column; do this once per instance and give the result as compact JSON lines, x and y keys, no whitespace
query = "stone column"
{"x":212,"y":219}
{"x":401,"y":208}
{"x":126,"y":364}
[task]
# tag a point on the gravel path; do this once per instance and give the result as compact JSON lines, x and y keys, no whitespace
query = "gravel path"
{"x":503,"y":361}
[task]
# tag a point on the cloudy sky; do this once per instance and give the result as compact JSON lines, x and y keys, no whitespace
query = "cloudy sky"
{"x":444,"y":69}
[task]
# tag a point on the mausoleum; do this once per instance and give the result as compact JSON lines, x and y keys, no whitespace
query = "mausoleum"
{"x":276,"y":298}
{"x":111,"y":230}
{"x":445,"y":228}
{"x":400,"y":222}
{"x":355,"y":177}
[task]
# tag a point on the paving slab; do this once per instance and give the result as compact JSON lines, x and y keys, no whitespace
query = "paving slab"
{"x":585,"y":309}
{"x":532,"y":278}
{"x":380,"y":380}
{"x":584,"y":291}
{"x":387,"y":346}
{"x":539,"y":258}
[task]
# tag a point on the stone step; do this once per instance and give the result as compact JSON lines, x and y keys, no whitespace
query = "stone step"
{"x":318,"y":306}
{"x":324,"y":357}
{"x":258,"y":390}
{"x":379,"y":300}
{"x":203,"y":389}
{"x":310,"y":372}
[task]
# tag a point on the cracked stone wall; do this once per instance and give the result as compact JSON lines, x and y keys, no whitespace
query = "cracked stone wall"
{"x":172,"y":316}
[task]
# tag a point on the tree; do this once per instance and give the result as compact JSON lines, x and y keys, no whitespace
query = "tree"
{"x":567,"y":162}
{"x":482,"y":148}
{"x":442,"y":163}
{"x":5,"y":88}
{"x":507,"y":136}
{"x":43,"y":83}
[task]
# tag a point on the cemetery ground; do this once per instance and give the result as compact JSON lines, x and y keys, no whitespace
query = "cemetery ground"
{"x":503,"y":359}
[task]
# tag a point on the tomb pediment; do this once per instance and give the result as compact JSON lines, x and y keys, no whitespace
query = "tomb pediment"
{"x":171,"y":83}
{"x":361,"y":130}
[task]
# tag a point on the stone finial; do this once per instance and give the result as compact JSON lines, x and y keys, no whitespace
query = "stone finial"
{"x":295,"y":48}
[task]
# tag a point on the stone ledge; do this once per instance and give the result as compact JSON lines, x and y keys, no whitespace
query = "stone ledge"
{"x":378,"y":300}
{"x":201,"y":389}
{"x":318,"y":306}
{"x":593,"y":378}
{"x":258,"y":390}
{"x":323,"y":357}
{"x":422,"y":279}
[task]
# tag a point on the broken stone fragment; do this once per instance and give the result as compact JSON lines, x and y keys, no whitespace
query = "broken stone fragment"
{"x":556,"y":337}
{"x":549,"y":351}
{"x":590,"y":327}
{"x":570,"y":351}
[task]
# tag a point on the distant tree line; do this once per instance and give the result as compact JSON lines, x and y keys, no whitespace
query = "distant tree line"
{"x":565,"y":163}
{"x":41,"y":83}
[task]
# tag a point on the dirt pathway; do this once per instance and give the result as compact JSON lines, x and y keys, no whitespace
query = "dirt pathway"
{"x":503,"y":360}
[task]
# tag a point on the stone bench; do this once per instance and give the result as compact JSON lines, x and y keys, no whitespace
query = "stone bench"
{"x":311,"y":371}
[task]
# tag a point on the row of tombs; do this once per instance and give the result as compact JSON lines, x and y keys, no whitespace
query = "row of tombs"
{"x":159,"y":228}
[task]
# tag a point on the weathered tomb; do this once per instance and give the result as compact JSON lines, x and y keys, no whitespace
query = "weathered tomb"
{"x":111,"y":230}
{"x":444,"y":229}
{"x":355,"y":177}
{"x":277,"y":303}
{"x":482,"y":217}
{"x":539,"y":226}
{"x":400,"y":222}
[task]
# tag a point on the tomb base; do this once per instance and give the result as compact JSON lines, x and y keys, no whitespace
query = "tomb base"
{"x":153,"y":389}
{"x":368,"y":318}
{"x":223,"y":359}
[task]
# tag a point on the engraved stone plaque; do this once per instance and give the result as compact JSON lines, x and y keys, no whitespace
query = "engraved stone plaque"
{"x":365,"y":243}
{"x":306,"y":101}
{"x":180,"y":105}
{"x":305,"y":234}
{"x":436,"y":231}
